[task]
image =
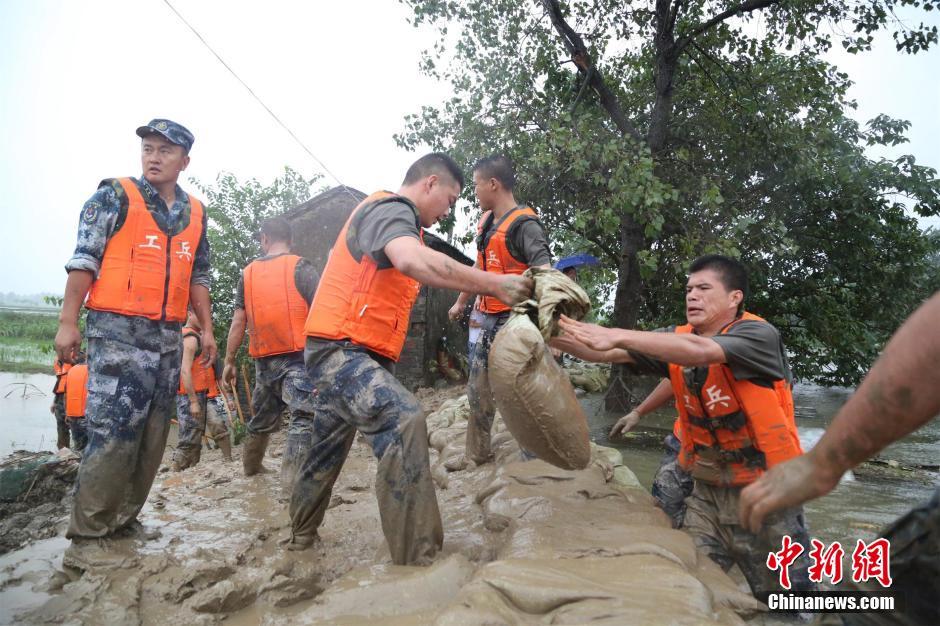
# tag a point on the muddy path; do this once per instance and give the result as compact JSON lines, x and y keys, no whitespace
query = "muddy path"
{"x":525,"y":543}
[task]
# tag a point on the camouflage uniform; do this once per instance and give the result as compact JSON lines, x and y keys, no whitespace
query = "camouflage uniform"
{"x":79,"y":434}
{"x":133,"y":373}
{"x":672,"y":484}
{"x":62,"y":427}
{"x":191,"y":430}
{"x":479,"y":394}
{"x":371,"y":400}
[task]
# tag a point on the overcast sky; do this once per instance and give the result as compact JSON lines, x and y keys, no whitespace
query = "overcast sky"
{"x":79,"y":77}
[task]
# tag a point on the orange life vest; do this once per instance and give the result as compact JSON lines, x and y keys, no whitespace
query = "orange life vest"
{"x":60,"y":369}
{"x":276,"y":310}
{"x":493,"y":253}
{"x":356,"y":300}
{"x":76,"y":391}
{"x":144,"y":272}
{"x":203,"y":375}
{"x":732,"y":430}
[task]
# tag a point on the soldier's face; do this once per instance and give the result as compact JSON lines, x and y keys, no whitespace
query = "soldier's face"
{"x":161,"y":160}
{"x":485,"y":189}
{"x":440,"y":196}
{"x":708,"y":302}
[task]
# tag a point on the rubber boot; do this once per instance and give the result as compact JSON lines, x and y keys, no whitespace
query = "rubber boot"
{"x":253,"y":453}
{"x":225,"y":445}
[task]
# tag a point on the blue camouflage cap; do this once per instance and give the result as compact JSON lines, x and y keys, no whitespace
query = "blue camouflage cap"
{"x":175,"y":133}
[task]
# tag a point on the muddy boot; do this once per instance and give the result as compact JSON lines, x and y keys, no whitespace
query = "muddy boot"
{"x":253,"y":453}
{"x":86,"y":554}
{"x":185,"y":457}
{"x":225,"y":445}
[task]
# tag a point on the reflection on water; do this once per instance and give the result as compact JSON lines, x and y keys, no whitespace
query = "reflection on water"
{"x":856,"y":509}
{"x":25,"y":420}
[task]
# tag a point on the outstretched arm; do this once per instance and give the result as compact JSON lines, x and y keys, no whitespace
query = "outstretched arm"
{"x":899,"y":395}
{"x":658,"y":397}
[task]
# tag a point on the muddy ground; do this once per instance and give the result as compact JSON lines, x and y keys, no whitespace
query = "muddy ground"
{"x":525,"y":543}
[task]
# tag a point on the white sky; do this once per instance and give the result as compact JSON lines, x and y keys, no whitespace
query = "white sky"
{"x":76,"y":79}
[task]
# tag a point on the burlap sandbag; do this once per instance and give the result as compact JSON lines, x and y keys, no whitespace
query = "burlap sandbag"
{"x":532,"y":392}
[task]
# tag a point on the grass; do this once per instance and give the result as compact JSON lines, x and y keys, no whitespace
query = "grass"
{"x":26,"y":340}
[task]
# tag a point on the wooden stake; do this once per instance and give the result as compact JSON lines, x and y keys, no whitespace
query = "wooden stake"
{"x":247,"y":386}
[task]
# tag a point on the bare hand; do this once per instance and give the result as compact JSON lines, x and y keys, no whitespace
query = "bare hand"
{"x":209,"y":349}
{"x":195,"y":408}
{"x":229,"y":375}
{"x":789,"y":484}
{"x":593,"y":336}
{"x":68,"y":341}
{"x":514,"y":289}
{"x":625,"y":424}
{"x":456,"y":311}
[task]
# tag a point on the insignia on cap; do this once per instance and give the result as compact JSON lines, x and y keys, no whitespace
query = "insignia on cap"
{"x":161,"y":126}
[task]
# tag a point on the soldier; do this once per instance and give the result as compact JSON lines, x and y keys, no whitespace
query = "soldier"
{"x":733,"y":391}
{"x":197,"y":403}
{"x":76,"y":399}
{"x":57,"y":407}
{"x":142,"y":256}
{"x":355,"y":331}
{"x":272,"y":299}
{"x":510,"y":239}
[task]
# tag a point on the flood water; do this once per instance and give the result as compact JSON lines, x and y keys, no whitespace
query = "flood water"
{"x":856,"y":509}
{"x":25,"y":420}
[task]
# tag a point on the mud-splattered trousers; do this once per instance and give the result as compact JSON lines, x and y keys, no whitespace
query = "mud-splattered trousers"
{"x":479,"y":393}
{"x":62,"y":427}
{"x":357,"y":393}
{"x":79,"y":433}
{"x":711,"y":518}
{"x":281,"y":381}
{"x":133,"y":377}
{"x":672,"y":484}
{"x":192,"y":429}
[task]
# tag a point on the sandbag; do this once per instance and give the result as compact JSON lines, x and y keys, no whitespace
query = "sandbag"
{"x":532,"y":392}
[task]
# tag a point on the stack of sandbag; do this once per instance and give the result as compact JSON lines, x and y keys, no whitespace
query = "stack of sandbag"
{"x":533,"y":393}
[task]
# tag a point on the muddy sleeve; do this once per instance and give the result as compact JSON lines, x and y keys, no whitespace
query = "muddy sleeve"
{"x":754,"y":350}
{"x":529,"y":244}
{"x":240,"y":292}
{"x":306,"y":279}
{"x":384,"y":222}
{"x":647,"y":365}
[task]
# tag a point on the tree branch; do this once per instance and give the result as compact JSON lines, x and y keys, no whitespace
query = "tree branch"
{"x":579,"y":54}
{"x":738,"y":9}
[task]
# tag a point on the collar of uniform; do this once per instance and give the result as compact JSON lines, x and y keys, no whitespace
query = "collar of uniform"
{"x":152,"y":196}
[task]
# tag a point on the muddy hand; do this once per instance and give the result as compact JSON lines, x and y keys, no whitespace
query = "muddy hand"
{"x":593,"y":336}
{"x":789,"y":484}
{"x":195,"y":409}
{"x":625,"y":424}
{"x":514,"y":289}
{"x":228,"y":376}
{"x":455,"y":312}
{"x":68,"y":340}
{"x":209,"y":349}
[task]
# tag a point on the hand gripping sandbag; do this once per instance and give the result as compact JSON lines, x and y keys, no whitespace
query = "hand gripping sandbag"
{"x":532,"y":392}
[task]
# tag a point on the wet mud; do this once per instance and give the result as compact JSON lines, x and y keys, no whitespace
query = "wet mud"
{"x":525,"y":543}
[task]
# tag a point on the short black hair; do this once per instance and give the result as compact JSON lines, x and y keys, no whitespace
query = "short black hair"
{"x":731,"y":272}
{"x":276,"y":229}
{"x":500,"y":167}
{"x":434,"y":163}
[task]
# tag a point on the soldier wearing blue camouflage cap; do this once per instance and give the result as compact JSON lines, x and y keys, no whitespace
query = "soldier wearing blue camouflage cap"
{"x":142,"y":256}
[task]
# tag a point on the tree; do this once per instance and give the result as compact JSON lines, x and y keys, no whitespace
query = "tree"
{"x":650,"y":133}
{"x":236,"y":211}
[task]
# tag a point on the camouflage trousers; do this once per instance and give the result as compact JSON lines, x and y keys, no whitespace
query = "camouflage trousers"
{"x":356,"y":393}
{"x":672,"y":484}
{"x":281,"y":382}
{"x":61,"y":426}
{"x":192,"y":429}
{"x":711,"y":518}
{"x":79,"y":433}
{"x":479,"y":393}
{"x":130,"y":398}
